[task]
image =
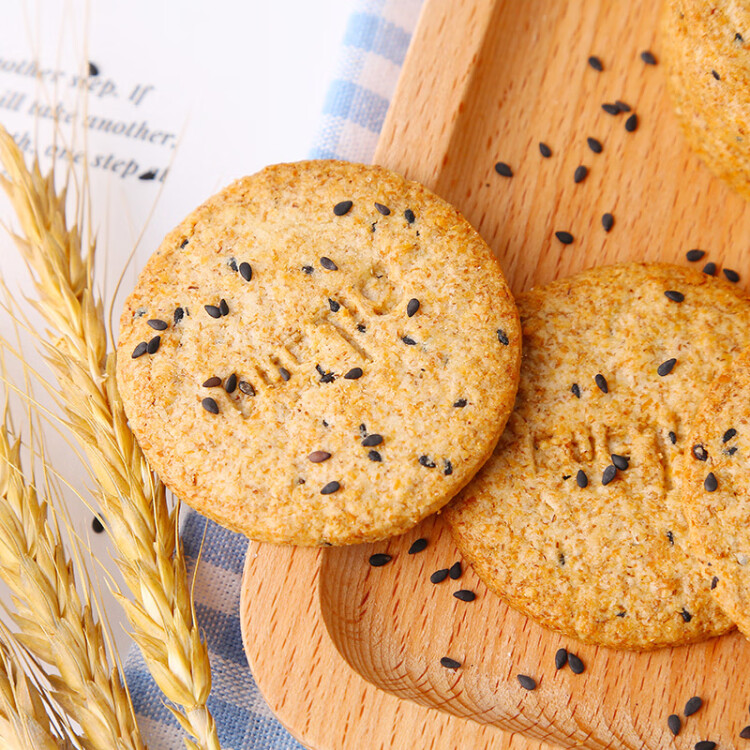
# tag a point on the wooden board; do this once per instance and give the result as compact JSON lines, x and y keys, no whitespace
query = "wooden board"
{"x":485,"y":81}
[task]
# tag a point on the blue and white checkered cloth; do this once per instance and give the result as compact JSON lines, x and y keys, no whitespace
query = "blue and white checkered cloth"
{"x":374,"y":46}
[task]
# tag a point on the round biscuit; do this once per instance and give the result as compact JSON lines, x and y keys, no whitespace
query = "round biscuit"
{"x":576,"y":519}
{"x":341,"y":354}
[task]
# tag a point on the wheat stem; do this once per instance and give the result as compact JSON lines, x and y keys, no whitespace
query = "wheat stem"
{"x":143,"y":529}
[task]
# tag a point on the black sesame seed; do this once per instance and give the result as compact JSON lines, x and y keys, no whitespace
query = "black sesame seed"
{"x":581,"y":479}
{"x":210,"y":405}
{"x":408,"y":341}
{"x":731,"y":451}
{"x":728,"y":435}
{"x":330,"y":488}
{"x":139,"y":350}
{"x":580,"y":174}
{"x":666,"y":367}
{"x":611,"y":109}
{"x":609,"y":474}
{"x":317,"y":457}
{"x":420,"y":545}
{"x":325,"y":377}
{"x":693,"y":705}
{"x":342,"y":208}
{"x":379,"y":559}
{"x":710,"y":484}
{"x":545,"y":150}
{"x":674,"y":724}
{"x":307,"y":269}
{"x":464,"y":595}
{"x":631,"y":124}
{"x":411,"y":307}
{"x":621,"y":462}
{"x":502,"y":337}
{"x":335,"y":306}
{"x":230,"y":384}
{"x":183,"y":244}
{"x":363,"y":429}
{"x":566,"y":477}
{"x":233,"y":264}
{"x":409,"y":216}
{"x":608,"y":221}
{"x":673,"y":437}
{"x":622,"y":106}
{"x":372,"y":440}
{"x":670,"y":538}
{"x":246,"y":388}
{"x":745,"y":733}
{"x":354,"y":374}
{"x":328,"y":264}
{"x":710,"y":269}
{"x":594,"y":145}
{"x":561,"y":558}
{"x":565,"y":237}
{"x":715,"y":75}
{"x":648,"y":58}
{"x":447,"y":467}
{"x":686,"y":616}
{"x":621,"y":614}
{"x":212,"y":382}
{"x":460,"y":403}
{"x":97,"y":525}
{"x":596,"y":63}
{"x":382,"y":209}
{"x":503,"y":169}
{"x":224,"y":307}
{"x":699,"y":452}
{"x":361,"y":327}
{"x":439,"y":575}
{"x":449,"y":663}
{"x":601,"y":382}
{"x":285,"y":374}
{"x":246,"y":271}
{"x":179,"y":314}
{"x":526,"y":682}
{"x":426,"y":462}
{"x":714,"y":582}
{"x":575,"y":664}
{"x":157,"y":325}
{"x":374,"y":456}
{"x":738,"y":37}
{"x":212,"y":310}
{"x":455,"y":570}
{"x":575,"y":390}
{"x":705,"y":745}
{"x":674,"y":296}
{"x":153,"y":345}
{"x":694,"y":255}
{"x":731,"y":275}
{"x":561,"y":658}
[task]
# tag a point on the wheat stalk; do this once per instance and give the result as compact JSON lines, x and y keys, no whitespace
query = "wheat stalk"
{"x":25,"y":710}
{"x":142,"y":528}
{"x":55,"y":625}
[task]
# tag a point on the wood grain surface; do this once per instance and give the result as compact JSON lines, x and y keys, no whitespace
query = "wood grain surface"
{"x":486,"y":81}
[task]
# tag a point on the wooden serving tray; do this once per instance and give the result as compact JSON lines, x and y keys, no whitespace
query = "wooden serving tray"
{"x":485,"y":81}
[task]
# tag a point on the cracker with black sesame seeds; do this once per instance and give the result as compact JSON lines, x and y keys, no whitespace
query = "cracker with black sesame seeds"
{"x":577,"y":519}
{"x":717,"y":489}
{"x":708,"y":77}
{"x":315,"y":325}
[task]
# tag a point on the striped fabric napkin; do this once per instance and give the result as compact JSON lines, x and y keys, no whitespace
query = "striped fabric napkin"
{"x":374,"y":46}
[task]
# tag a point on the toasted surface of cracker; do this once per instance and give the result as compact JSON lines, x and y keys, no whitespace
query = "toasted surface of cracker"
{"x":720,"y":519}
{"x":330,"y":353}
{"x":606,"y":563}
